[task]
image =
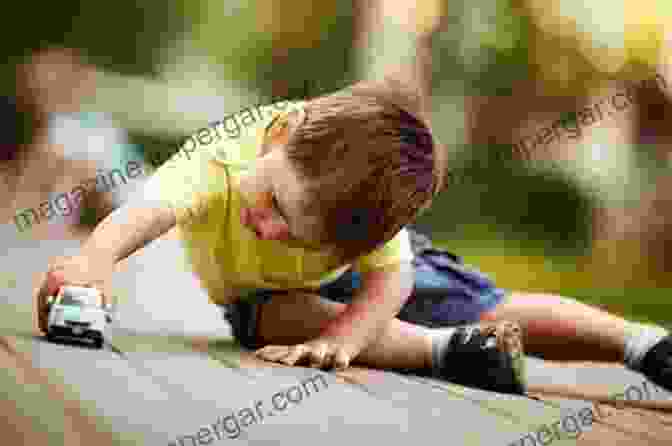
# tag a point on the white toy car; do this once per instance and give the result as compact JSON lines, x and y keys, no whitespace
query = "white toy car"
{"x":77,"y":312}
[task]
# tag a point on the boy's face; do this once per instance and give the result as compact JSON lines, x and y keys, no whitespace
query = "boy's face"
{"x":272,"y":191}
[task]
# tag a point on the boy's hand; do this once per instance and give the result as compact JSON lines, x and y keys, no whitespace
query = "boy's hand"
{"x":323,"y":353}
{"x":77,"y":270}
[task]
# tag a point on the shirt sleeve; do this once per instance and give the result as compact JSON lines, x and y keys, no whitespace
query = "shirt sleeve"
{"x":394,"y":252}
{"x":189,"y":183}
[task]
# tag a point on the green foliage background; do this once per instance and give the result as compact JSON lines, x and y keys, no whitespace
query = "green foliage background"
{"x":497,"y":208}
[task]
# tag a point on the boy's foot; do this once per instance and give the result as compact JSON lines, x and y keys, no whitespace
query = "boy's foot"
{"x":657,"y":364}
{"x":488,"y":356}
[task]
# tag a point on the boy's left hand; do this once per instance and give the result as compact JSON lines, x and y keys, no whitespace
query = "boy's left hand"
{"x":323,"y":353}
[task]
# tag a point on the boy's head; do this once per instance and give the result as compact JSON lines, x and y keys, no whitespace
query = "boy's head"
{"x":347,"y":173}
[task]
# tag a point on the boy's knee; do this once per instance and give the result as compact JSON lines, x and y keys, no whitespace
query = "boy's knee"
{"x":489,"y":316}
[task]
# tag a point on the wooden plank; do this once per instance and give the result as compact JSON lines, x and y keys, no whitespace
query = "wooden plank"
{"x":55,"y":417}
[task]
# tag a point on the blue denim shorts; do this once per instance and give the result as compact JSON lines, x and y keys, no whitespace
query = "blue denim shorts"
{"x":446,"y":293}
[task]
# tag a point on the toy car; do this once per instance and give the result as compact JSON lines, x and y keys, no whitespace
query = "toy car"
{"x":78,"y":313}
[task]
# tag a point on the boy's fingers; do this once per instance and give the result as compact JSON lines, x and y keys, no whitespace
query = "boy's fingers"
{"x":272,"y":352}
{"x":50,"y":284}
{"x":342,"y":360}
{"x":317,"y":355}
{"x":42,"y":294}
{"x":105,"y":298}
{"x":40,"y":306}
{"x":296,"y":353}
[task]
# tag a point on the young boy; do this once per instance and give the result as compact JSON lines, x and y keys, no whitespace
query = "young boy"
{"x":272,"y":218}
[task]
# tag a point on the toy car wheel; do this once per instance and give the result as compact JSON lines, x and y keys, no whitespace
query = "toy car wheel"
{"x":98,"y":342}
{"x":51,"y":337}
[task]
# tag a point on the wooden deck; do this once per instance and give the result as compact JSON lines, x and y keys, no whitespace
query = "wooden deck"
{"x":152,"y":389}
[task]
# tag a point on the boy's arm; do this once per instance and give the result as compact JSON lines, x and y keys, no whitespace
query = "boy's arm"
{"x":118,"y":235}
{"x":129,"y":228}
{"x":377,"y":302}
{"x":387,"y":282}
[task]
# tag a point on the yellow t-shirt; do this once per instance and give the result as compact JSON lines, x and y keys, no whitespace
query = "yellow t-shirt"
{"x":198,"y":183}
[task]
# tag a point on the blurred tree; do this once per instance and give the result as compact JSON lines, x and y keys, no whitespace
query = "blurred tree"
{"x":481,"y":57}
{"x":123,"y":36}
{"x":283,"y":51}
{"x":526,"y":63}
{"x":638,"y":235}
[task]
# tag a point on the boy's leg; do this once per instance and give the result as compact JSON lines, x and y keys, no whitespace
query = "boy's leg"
{"x":487,"y":356}
{"x":561,"y":328}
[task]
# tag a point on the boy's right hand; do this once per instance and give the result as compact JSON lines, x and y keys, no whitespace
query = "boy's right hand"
{"x":77,"y":270}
